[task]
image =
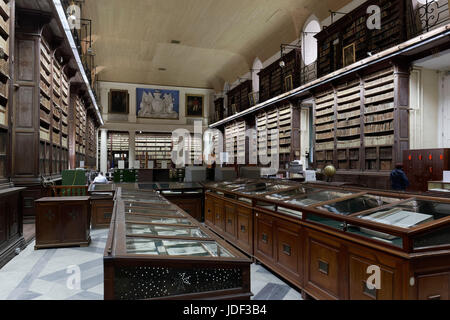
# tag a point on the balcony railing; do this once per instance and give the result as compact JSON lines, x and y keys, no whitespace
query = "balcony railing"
{"x":428,"y":16}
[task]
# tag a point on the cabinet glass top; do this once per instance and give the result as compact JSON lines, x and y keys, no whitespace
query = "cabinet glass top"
{"x":410,"y":214}
{"x":157,"y":220}
{"x":291,"y":194}
{"x":357,"y":204}
{"x":146,"y":246}
{"x":154,"y":211}
{"x":168,"y":231}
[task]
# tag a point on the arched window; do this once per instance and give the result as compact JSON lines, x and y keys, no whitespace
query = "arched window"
{"x":312,"y":27}
{"x":257,"y":66}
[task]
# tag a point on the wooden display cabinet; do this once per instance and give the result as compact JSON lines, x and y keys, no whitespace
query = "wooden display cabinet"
{"x":323,"y":239}
{"x":63,"y":222}
{"x":179,"y":256}
{"x":11,"y":223}
{"x":102,"y":204}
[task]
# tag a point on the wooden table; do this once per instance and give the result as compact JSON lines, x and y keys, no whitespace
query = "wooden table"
{"x":63,"y":222}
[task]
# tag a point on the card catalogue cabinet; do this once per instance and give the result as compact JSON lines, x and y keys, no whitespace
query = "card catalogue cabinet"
{"x":153,"y":149}
{"x":178,"y":255}
{"x":63,"y":222}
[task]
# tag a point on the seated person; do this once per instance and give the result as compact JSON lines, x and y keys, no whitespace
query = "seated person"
{"x":100,"y":179}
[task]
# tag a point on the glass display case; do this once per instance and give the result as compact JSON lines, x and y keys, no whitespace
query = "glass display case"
{"x":322,"y":238}
{"x":155,"y":250}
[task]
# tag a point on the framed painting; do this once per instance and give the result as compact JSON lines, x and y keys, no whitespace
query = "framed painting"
{"x":349,"y":55}
{"x":195,"y":105}
{"x":119,"y":101}
{"x":288,"y":83}
{"x":157,"y":104}
{"x":252,"y":98}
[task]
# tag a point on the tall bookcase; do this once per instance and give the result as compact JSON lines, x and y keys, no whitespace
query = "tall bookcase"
{"x":363,"y":125}
{"x":352,"y":35}
{"x":153,"y":147}
{"x":235,"y":142}
{"x":5,"y":39}
{"x":238,"y":98}
{"x":274,"y":80}
{"x":285,"y":120}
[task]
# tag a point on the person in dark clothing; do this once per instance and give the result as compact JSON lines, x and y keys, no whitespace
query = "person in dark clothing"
{"x":399,"y":180}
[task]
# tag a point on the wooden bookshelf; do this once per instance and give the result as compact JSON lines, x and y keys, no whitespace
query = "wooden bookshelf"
{"x":235,"y":142}
{"x":285,"y":120}
{"x":362,"y":124}
{"x":238,"y":99}
{"x":219,"y":109}
{"x":5,"y":22}
{"x":273,"y":79}
{"x":153,"y":147}
{"x":352,"y":30}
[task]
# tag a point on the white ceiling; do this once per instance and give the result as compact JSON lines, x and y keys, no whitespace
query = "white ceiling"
{"x":440,"y":61}
{"x":219,"y":38}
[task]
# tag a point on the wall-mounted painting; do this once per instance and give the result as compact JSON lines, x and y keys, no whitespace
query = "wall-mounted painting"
{"x":118,"y":101}
{"x":195,"y":105}
{"x":158,"y":104}
{"x":349,"y":55}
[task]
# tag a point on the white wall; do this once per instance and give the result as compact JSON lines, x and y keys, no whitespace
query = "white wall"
{"x":131,"y":122}
{"x":424,"y":103}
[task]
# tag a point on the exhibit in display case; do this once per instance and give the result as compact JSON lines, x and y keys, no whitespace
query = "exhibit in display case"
{"x":155,"y":250}
{"x":323,"y":239}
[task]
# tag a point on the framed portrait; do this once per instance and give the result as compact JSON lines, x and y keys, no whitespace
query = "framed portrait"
{"x":119,"y":101}
{"x":195,"y":105}
{"x":348,"y":55}
{"x":252,"y":98}
{"x":288,"y":83}
{"x":234,"y":108}
{"x":158,"y":104}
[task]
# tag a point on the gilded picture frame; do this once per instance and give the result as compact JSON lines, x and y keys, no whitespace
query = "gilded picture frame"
{"x":349,"y":55}
{"x":195,"y":106}
{"x":118,"y":101}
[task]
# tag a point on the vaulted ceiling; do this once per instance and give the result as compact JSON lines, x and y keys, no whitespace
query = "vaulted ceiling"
{"x":219,"y":39}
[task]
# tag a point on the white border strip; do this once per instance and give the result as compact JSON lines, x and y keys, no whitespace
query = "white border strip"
{"x":68,"y":32}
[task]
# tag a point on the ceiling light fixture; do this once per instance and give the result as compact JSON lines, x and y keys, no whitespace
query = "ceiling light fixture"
{"x":162,"y":69}
{"x":175,"y":41}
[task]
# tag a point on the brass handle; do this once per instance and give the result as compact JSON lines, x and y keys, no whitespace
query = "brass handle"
{"x":265,"y":238}
{"x":287,"y":249}
{"x":323,"y":267}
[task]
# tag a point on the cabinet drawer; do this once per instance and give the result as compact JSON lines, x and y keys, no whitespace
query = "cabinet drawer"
{"x":245,"y":229}
{"x":288,"y":248}
{"x":219,"y":218}
{"x":230,"y":220}
{"x":433,"y":286}
{"x":359,"y":276}
{"x":209,"y":211}
{"x":264,"y":235}
{"x":323,"y":267}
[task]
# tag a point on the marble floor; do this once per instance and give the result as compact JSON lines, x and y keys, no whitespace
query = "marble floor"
{"x":46,"y":274}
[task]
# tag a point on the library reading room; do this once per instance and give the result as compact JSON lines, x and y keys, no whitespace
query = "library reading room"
{"x":273,"y":150}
